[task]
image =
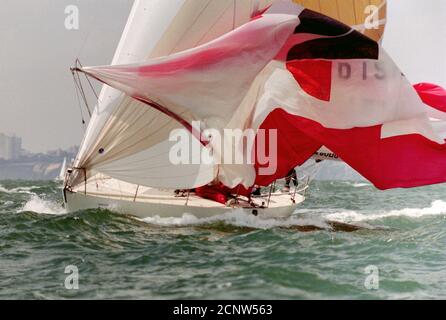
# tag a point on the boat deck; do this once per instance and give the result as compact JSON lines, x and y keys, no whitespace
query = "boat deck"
{"x":119,"y":190}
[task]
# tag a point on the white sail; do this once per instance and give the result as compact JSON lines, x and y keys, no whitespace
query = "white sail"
{"x":122,"y":128}
{"x":63,"y":170}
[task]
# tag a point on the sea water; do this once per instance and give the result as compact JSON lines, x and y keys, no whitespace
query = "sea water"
{"x":46,"y":253}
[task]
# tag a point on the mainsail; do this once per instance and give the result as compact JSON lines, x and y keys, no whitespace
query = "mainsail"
{"x":313,"y":78}
{"x":125,"y":130}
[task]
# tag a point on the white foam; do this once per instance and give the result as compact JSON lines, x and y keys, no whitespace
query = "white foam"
{"x":240,"y":219}
{"x":236,"y":218}
{"x":437,"y":207}
{"x":35,"y":203}
{"x":4,"y":190}
{"x":357,"y":184}
{"x":360,"y":185}
{"x":39,"y":205}
{"x":26,"y":190}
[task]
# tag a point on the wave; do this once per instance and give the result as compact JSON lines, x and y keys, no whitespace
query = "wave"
{"x":360,"y":185}
{"x":38,"y":205}
{"x":35,"y":203}
{"x":437,"y":207}
{"x":236,"y":218}
{"x":26,"y":190}
{"x":4,"y":190}
{"x":357,"y":184}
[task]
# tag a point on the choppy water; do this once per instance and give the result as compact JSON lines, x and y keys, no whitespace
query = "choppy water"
{"x":233,"y":257}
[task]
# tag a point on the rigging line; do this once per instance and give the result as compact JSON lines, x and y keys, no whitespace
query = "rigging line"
{"x":78,"y":62}
{"x":79,"y":102}
{"x":91,"y":87}
{"x":81,"y":90}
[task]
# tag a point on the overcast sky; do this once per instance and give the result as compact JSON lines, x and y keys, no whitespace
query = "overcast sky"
{"x":37,"y":98}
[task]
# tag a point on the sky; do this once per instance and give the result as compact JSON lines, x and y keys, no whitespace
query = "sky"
{"x":38,"y":100}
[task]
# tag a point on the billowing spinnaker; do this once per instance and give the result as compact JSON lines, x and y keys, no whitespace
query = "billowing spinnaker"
{"x":367,"y":16}
{"x":329,"y":85}
{"x":199,"y":83}
{"x":122,"y":127}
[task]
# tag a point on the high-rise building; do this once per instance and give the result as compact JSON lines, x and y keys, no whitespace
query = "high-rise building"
{"x":10,"y":147}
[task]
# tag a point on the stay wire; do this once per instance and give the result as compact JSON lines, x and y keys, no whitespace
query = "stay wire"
{"x":79,"y":104}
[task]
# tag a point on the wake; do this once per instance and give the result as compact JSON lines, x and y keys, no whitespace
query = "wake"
{"x":437,"y":208}
{"x":305,"y":220}
{"x":240,"y":219}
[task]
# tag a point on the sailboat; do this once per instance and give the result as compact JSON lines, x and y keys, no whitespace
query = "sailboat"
{"x":63,"y":170}
{"x":156,"y":29}
{"x":307,"y":80}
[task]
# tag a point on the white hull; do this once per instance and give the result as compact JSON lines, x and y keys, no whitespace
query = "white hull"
{"x":280,"y":205}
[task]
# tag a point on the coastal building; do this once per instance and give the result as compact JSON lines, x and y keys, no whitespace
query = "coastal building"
{"x":10,"y":147}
